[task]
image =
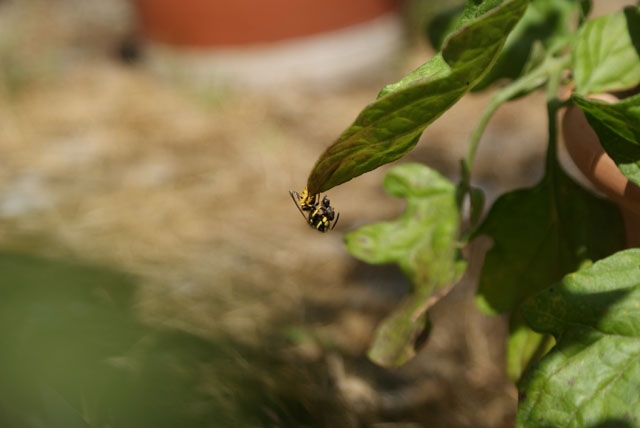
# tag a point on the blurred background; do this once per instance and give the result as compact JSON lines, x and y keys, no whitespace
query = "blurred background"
{"x":153,"y":269}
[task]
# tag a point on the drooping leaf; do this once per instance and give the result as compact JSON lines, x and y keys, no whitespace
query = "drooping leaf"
{"x":400,"y":335}
{"x":605,"y":55}
{"x":474,"y":9}
{"x":592,"y":376}
{"x":541,"y":233}
{"x":422,"y":242}
{"x":390,"y":127}
{"x":618,"y":128}
{"x":545,"y":22}
{"x":455,"y":17}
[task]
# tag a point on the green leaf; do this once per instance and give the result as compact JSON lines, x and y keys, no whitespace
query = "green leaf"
{"x":605,"y":55}
{"x":585,"y":8}
{"x":390,"y":127}
{"x":443,"y":24}
{"x":474,"y":9}
{"x":401,"y":334}
{"x":423,"y":243}
{"x":546,"y":22}
{"x":524,"y":346}
{"x":541,"y":233}
{"x":618,"y":128}
{"x":592,"y":375}
{"x":455,"y":17}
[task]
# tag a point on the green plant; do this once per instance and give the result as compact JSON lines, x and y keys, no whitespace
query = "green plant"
{"x":556,"y":264}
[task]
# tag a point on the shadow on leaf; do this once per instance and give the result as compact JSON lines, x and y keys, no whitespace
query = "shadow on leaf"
{"x":632,"y":16}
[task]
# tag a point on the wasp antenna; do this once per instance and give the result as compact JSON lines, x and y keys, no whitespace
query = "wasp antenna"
{"x":297,"y":202}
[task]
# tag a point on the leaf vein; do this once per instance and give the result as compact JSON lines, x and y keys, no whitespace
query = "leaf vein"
{"x":575,"y":412}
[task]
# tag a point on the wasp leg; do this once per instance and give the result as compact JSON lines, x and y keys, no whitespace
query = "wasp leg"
{"x":335,"y":222}
{"x":297,"y":202}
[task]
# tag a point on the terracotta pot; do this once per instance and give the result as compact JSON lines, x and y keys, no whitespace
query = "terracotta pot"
{"x":238,"y":22}
{"x":584,"y":148}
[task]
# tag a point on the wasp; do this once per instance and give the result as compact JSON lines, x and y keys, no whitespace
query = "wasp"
{"x":321,"y":215}
{"x":304,"y":201}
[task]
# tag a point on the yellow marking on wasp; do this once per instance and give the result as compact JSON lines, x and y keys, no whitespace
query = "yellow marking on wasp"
{"x":319,"y":216}
{"x":307,"y":201}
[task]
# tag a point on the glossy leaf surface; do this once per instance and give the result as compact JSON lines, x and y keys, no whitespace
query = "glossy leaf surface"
{"x":389,"y":127}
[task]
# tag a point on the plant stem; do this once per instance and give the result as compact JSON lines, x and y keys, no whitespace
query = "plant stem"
{"x":496,"y":101}
{"x":552,"y":146}
{"x":553,"y":105}
{"x":550,"y":72}
{"x":551,"y":66}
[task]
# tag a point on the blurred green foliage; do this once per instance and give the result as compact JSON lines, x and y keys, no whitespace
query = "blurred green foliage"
{"x":73,"y":354}
{"x":422,"y":242}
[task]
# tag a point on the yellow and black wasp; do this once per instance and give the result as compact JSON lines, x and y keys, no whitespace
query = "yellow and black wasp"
{"x":321,"y":215}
